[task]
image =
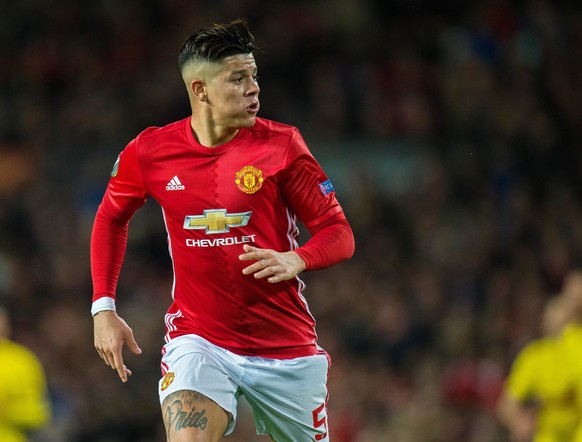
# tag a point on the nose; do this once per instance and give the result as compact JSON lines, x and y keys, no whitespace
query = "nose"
{"x":254,"y":88}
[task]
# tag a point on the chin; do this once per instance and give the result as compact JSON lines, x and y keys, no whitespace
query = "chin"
{"x":248,"y":122}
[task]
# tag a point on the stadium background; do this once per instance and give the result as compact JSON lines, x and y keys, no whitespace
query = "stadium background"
{"x":451,"y":130}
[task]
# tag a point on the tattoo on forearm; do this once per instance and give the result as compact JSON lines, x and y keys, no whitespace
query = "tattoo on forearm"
{"x":179,"y":418}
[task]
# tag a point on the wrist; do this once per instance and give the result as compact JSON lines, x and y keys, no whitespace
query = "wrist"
{"x":105,"y":303}
{"x":303,"y":259}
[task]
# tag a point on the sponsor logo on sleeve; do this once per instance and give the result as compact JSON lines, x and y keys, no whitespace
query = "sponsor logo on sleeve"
{"x":326,"y":187}
{"x":115,"y":168}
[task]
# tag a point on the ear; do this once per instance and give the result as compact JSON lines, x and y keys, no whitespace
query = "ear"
{"x":198,"y":89}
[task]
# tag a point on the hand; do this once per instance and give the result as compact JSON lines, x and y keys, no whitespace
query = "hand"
{"x":110,"y":333}
{"x":275,"y":266}
{"x":523,"y":428}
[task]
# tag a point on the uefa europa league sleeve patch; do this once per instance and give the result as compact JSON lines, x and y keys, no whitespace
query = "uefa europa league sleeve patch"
{"x":115,"y":168}
{"x":326,"y":187}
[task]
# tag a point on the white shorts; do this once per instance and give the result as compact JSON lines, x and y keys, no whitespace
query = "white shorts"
{"x":288,"y":396}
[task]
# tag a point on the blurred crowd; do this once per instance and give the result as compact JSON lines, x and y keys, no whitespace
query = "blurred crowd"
{"x":452,"y":129}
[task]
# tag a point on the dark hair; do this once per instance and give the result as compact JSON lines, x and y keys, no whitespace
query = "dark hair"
{"x":216,"y":42}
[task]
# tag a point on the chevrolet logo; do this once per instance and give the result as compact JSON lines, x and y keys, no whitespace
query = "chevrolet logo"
{"x":216,"y":221}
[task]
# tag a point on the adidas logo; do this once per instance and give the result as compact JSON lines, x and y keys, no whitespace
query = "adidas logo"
{"x":175,"y":184}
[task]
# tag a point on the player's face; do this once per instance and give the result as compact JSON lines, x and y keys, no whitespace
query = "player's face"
{"x":233,"y":94}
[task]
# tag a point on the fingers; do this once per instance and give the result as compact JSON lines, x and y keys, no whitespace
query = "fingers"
{"x":114,"y":359}
{"x":108,"y":358}
{"x":252,"y":253}
{"x":260,"y":267}
{"x":122,"y":371}
{"x":272,"y":265}
{"x":110,"y":334}
{"x":117,"y":364}
{"x":265,"y":263}
{"x":106,"y":355}
{"x":132,"y":344}
{"x":272,"y":273}
{"x":120,"y":366}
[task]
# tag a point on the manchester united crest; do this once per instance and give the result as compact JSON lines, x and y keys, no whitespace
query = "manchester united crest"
{"x":168,"y":378}
{"x":249,"y":179}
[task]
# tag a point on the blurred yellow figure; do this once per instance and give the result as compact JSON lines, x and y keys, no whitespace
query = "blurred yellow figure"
{"x":24,"y":403}
{"x":541,"y":398}
{"x":572,"y":335}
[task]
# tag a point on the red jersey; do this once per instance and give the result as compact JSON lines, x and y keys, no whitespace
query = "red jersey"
{"x":250,"y":190}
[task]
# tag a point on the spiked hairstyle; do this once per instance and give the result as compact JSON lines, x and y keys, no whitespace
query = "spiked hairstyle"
{"x":216,"y":42}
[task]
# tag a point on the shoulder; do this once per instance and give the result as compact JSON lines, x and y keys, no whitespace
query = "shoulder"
{"x":153,"y":133}
{"x":572,"y":335}
{"x":536,"y":349}
{"x":573,"y":330}
{"x":271,"y":127}
{"x":285,"y":137}
{"x":153,"y":139}
{"x":19,"y":355}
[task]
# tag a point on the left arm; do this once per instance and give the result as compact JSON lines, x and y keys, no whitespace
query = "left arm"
{"x":331,"y":243}
{"x":310,"y":194}
{"x":28,"y":407}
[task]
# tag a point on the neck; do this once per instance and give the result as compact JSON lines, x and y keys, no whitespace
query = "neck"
{"x":209,"y":134}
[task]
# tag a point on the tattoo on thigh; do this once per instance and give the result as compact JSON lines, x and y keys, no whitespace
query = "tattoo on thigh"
{"x":181,"y":411}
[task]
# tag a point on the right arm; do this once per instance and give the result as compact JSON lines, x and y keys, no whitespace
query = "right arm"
{"x":125,"y":194}
{"x":519,"y":419}
{"x":515,"y":409}
{"x":108,"y":244}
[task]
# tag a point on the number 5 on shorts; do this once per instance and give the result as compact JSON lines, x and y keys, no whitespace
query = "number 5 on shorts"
{"x":320,"y":421}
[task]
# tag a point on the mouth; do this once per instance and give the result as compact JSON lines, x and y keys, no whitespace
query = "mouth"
{"x":253,"y":108}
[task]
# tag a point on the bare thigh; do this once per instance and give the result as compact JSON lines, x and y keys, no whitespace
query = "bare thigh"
{"x":191,"y":416}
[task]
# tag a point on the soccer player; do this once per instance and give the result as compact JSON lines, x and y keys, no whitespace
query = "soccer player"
{"x":541,"y":399}
{"x":24,"y":404}
{"x":232,"y":187}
